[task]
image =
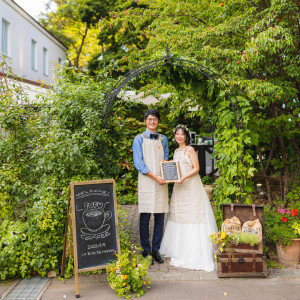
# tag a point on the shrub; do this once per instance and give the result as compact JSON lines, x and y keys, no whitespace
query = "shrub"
{"x":128,"y":274}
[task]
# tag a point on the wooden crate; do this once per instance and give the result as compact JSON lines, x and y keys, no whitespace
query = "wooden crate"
{"x":243,"y":260}
{"x":241,"y":265}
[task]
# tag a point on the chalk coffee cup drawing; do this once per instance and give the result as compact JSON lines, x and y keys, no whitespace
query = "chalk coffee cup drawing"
{"x":94,"y":217}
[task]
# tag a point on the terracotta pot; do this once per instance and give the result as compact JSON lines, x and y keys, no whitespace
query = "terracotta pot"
{"x":289,"y":254}
{"x":209,"y":190}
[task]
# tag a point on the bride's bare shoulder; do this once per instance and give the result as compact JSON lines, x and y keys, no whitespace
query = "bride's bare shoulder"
{"x":190,"y":149}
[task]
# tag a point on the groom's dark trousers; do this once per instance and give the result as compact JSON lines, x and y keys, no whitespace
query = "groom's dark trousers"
{"x":157,"y":232}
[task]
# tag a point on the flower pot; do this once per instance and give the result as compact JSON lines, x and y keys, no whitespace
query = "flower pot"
{"x":209,"y":188}
{"x":289,"y":254}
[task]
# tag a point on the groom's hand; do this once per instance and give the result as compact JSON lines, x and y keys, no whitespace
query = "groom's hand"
{"x":160,"y":180}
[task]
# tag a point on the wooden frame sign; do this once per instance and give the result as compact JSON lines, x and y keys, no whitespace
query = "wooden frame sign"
{"x":170,"y":171}
{"x":94,"y":225}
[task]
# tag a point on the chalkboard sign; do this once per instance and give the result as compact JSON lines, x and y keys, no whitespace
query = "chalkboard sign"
{"x":94,"y":225}
{"x":170,"y":171}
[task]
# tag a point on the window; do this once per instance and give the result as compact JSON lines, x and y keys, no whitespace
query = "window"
{"x":45,"y":61}
{"x":5,"y":28}
{"x":33,"y":55}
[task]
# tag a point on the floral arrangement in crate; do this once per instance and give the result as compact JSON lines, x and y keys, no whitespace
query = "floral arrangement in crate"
{"x":128,"y":274}
{"x":235,"y":236}
{"x":223,"y":240}
{"x":282,"y":225}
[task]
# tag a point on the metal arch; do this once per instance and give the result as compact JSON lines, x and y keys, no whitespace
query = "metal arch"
{"x":167,"y":59}
{"x":129,"y":76}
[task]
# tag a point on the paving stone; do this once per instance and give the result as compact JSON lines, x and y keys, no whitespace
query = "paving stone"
{"x":172,"y":275}
{"x":155,"y":268}
{"x":163,"y":268}
{"x":207,"y":275}
{"x":190,"y":275}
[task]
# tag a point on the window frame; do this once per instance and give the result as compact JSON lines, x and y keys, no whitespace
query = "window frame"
{"x":5,"y":37}
{"x":33,"y":55}
{"x":45,"y":62}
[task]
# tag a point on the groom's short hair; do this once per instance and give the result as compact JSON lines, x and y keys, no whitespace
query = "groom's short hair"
{"x":152,"y":112}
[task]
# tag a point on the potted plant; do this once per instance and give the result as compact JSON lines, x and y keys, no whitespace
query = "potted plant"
{"x":283,"y":228}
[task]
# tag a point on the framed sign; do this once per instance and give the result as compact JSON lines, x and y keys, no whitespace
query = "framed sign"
{"x":94,"y":225}
{"x":170,"y":171}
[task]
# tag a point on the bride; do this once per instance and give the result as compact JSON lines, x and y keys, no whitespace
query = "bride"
{"x":191,"y":219}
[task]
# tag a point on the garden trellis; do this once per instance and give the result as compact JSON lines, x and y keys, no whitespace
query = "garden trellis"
{"x":169,"y":59}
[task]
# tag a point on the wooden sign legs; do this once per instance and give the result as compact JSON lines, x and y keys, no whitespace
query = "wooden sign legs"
{"x":66,"y":243}
{"x":66,"y":251}
{"x":77,"y":284}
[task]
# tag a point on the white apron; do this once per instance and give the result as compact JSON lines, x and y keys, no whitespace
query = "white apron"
{"x":152,"y":197}
{"x":188,"y":203}
{"x":191,"y":221}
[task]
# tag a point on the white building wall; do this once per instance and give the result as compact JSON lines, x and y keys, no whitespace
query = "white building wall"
{"x":22,"y":29}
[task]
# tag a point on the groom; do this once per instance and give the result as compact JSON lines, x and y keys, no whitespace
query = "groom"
{"x":149,"y":149}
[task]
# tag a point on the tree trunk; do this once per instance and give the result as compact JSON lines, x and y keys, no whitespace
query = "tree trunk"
{"x":286,"y":174}
{"x":269,"y":195}
{"x":295,"y":145}
{"x":76,"y":61}
{"x":271,"y":154}
{"x":281,"y":186}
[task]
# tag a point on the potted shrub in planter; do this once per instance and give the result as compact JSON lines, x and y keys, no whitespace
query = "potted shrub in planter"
{"x":283,"y":228}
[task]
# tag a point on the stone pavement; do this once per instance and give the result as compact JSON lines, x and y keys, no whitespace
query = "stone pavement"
{"x":280,"y":284}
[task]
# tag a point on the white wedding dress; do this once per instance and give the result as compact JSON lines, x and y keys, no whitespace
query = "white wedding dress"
{"x":191,"y":220}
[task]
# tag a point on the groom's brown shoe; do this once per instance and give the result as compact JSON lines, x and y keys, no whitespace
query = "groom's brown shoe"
{"x":157,"y":257}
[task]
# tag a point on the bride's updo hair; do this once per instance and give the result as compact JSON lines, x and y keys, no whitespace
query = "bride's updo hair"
{"x":185,"y":132}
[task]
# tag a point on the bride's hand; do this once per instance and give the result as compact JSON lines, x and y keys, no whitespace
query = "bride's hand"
{"x":180,"y":181}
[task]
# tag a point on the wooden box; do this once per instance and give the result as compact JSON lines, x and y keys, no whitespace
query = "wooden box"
{"x":243,"y":260}
{"x":241,"y":265}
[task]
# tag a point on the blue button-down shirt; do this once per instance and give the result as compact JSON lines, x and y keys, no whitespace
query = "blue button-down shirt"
{"x":137,"y":148}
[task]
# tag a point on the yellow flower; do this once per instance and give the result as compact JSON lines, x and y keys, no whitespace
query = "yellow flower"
{"x":144,"y":282}
{"x":124,"y":277}
{"x":121,"y":258}
{"x":121,"y":265}
{"x":134,"y":265}
{"x":223,"y":235}
{"x":134,"y":259}
{"x":111,"y":269}
{"x":124,"y":283}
